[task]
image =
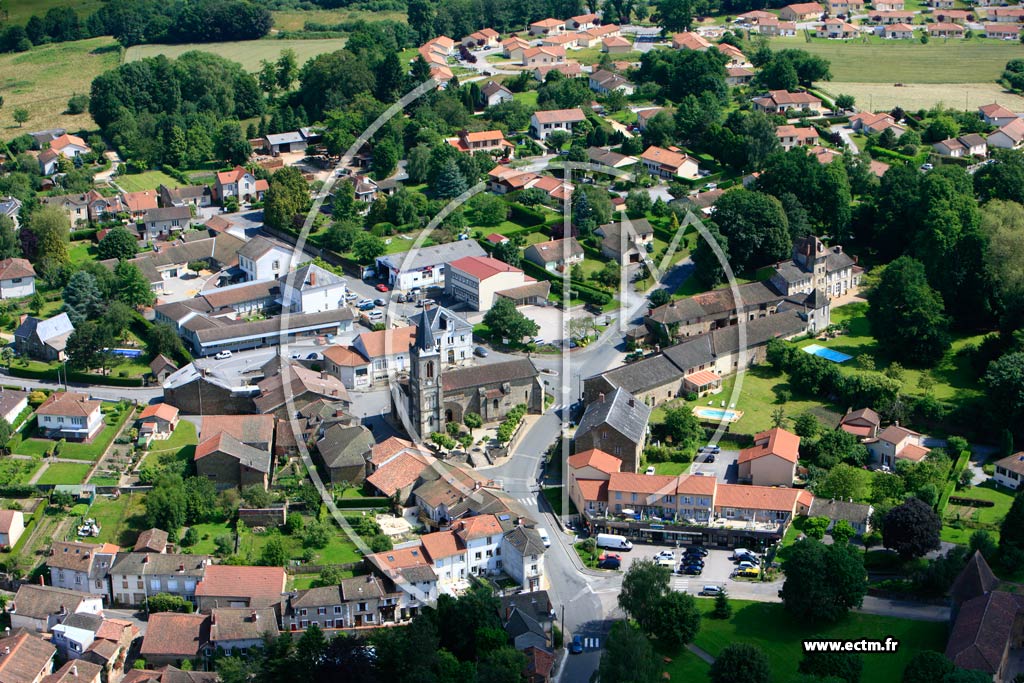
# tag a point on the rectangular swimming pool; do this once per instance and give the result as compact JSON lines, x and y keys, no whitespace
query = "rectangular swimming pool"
{"x":717,"y":414}
{"x":827,"y":354}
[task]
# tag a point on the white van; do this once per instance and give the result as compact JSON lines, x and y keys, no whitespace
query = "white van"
{"x":613,"y":541}
{"x":544,"y":538}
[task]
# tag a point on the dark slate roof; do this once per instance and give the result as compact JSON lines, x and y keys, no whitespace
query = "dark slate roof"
{"x":536,"y":604}
{"x":855,"y":513}
{"x":976,"y":579}
{"x":84,"y":621}
{"x":424,"y":334}
{"x":643,"y":375}
{"x":495,"y":373}
{"x":615,"y":410}
{"x":343,"y":446}
{"x":39,"y":602}
{"x":526,"y":540}
{"x":520,"y":623}
{"x":271,"y":326}
{"x":160,"y":564}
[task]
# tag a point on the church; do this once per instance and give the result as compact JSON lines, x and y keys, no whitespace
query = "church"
{"x":434,"y":395}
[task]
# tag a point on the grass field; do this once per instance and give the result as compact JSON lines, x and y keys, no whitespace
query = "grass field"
{"x":120,"y":520}
{"x":248,"y":53}
{"x":41,"y":82}
{"x":295,"y":20}
{"x":19,"y":11}
{"x":64,"y":473}
{"x":910,"y":61}
{"x":914,"y":96}
{"x":782,"y":642}
{"x":983,"y":517}
{"x":338,"y":551}
{"x":72,"y":451}
{"x":148,"y":180}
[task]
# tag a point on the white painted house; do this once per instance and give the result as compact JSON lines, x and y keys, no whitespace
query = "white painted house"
{"x":261,"y":259}
{"x":162,"y":223}
{"x":12,"y":526}
{"x":544,"y":123}
{"x":1010,"y":471}
{"x":81,"y":566}
{"x":40,"y":608}
{"x":17,"y":278}
{"x":312,"y":289}
{"x":69,"y":415}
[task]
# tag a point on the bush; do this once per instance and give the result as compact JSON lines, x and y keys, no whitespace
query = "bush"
{"x":190,"y":538}
{"x":78,"y":104}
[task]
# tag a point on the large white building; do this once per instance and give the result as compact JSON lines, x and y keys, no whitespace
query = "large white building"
{"x":312,"y":289}
{"x":261,"y":259}
{"x":424,"y":267}
{"x":476,"y":280}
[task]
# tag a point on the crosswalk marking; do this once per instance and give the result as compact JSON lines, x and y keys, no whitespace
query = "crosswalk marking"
{"x":527,"y":501}
{"x":681,"y":584}
{"x":592,"y":642}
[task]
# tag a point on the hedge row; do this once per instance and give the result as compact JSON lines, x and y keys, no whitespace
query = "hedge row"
{"x":377,"y":502}
{"x":72,"y":376}
{"x":83,"y":234}
{"x":527,"y":216}
{"x":971,"y":502}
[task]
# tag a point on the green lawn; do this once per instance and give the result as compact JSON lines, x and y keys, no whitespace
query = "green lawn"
{"x":295,"y":20}
{"x":82,"y":252}
{"x":184,"y":435}
{"x":769,"y":627}
{"x":120,"y":520}
{"x":20,"y":11}
{"x":248,"y":53}
{"x":147,"y":180}
{"x":529,"y":98}
{"x":17,"y":471}
{"x":338,"y":551}
{"x":671,"y":468}
{"x":974,"y":518}
{"x":64,"y":473}
{"x":956,"y":61}
{"x":41,"y":81}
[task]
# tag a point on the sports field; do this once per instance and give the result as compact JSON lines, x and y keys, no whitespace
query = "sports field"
{"x":248,"y":53}
{"x":41,"y":81}
{"x":909,"y":61}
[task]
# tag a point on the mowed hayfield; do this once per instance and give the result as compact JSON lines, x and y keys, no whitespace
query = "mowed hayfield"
{"x":44,"y":78}
{"x":248,"y":53}
{"x":910,"y":61}
{"x":295,"y":20}
{"x":19,"y":11}
{"x":914,"y":96}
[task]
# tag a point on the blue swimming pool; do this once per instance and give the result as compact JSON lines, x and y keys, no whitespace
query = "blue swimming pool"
{"x":127,"y":353}
{"x":717,"y":414}
{"x":827,"y":354}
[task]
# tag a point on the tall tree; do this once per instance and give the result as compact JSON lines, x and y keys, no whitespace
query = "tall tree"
{"x":912,"y":529}
{"x":118,"y":243}
{"x":741,"y":663}
{"x":505,"y":321}
{"x":85,"y":346}
{"x":51,"y":232}
{"x":287,"y":197}
{"x":9,"y":245}
{"x":906,"y":314}
{"x":287,"y":69}
{"x":133,"y":288}
{"x":82,"y":298}
{"x":756,"y":227}
{"x":676,"y":619}
{"x":822,"y":582}
{"x":642,"y":588}
{"x":628,"y":656}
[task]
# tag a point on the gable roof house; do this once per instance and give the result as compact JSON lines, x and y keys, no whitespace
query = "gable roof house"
{"x":617,"y":425}
{"x":67,"y":146}
{"x":863,"y":423}
{"x":555,"y":255}
{"x":791,"y":136}
{"x":996,"y":114}
{"x":26,"y":658}
{"x":225,"y":585}
{"x":195,"y":195}
{"x":69,"y":415}
{"x":17,"y":278}
{"x":170,"y":674}
{"x":152,"y":541}
{"x":771,"y":461}
{"x":781,"y":101}
{"x":543,"y":123}
{"x":235,"y":451}
{"x":43,"y":339}
{"x":1009,"y":136}
{"x":547,"y":26}
{"x":171,"y":638}
{"x":163,"y":223}
{"x":802,"y":11}
{"x":626,"y":242}
{"x":240,"y":183}
{"x":136,"y":576}
{"x":241,"y":628}
{"x":158,"y":419}
{"x":138,"y":203}
{"x":12,"y":526}
{"x":1010,"y":470}
{"x":669,"y":163}
{"x":604,"y":82}
{"x":40,"y":608}
{"x":81,"y":567}
{"x":477,"y":280}
{"x":690,"y":40}
{"x":896,"y":443}
{"x":342,"y":451}
{"x":494,"y":93}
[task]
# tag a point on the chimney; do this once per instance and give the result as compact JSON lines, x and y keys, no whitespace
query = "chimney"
{"x":312,"y":278}
{"x":213,"y":617}
{"x":74,"y":671}
{"x":41,"y":582}
{"x":21,"y":318}
{"x":600,"y":397}
{"x":632,"y":402}
{"x":145,"y":560}
{"x":254,"y":616}
{"x":63,"y":610}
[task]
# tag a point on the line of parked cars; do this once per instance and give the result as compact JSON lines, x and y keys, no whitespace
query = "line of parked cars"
{"x":748,"y":564}
{"x":693,"y":560}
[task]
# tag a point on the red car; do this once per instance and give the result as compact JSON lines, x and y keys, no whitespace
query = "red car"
{"x":382,"y":287}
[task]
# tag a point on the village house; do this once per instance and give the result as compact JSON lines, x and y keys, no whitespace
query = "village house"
{"x":616,"y":424}
{"x":239,"y":183}
{"x":791,"y":136}
{"x":356,"y":602}
{"x":968,"y":145}
{"x":312,"y":289}
{"x":802,"y":11}
{"x":240,"y":630}
{"x":889,"y":5}
{"x":567,"y":41}
{"x":494,"y":94}
{"x":616,"y":45}
{"x":582,"y":22}
{"x":234,"y":451}
{"x":173,"y":638}
{"x":1009,"y":136}
{"x":81,"y":567}
{"x":1005,"y":15}
{"x":863,"y":423}
{"x":12,"y":526}
{"x":738,"y":75}
{"x":538,"y":56}
{"x":857,"y":514}
{"x":1010,"y":471}
{"x":604,"y":82}
{"x":628,"y":241}
{"x":152,"y":541}
{"x":733,"y":54}
{"x":996,"y":115}
{"x":543,"y":123}
{"x":669,"y":163}
{"x":342,"y":451}
{"x":836,"y":29}
{"x":782,"y":101}
{"x":873,"y":124}
{"x":613,"y":160}
{"x":136,"y":576}
{"x":75,"y":206}
{"x":11,"y":207}
{"x":69,"y":147}
{"x":27,"y":658}
{"x":896,"y":443}
{"x":690,"y":40}
{"x":844,"y":7}
{"x":69,"y":415}
{"x":1003,"y":31}
{"x":163,"y":223}
{"x":954,"y":16}
{"x":816,"y":267}
{"x":484,"y":38}
{"x":890,"y":17}
{"x":138,"y":203}
{"x":262,"y":259}
{"x":407,"y":574}
{"x":234,"y":586}
{"x":39,"y":608}
{"x":771,"y":461}
{"x":492,"y":141}
{"x":195,"y":195}
{"x":546,"y":27}
{"x":512,"y":48}
{"x":589,"y":472}
{"x":898,"y":32}
{"x":945,"y":30}
{"x":555,"y":255}
{"x":17,"y":278}
{"x":775,"y":28}
{"x":478,"y":280}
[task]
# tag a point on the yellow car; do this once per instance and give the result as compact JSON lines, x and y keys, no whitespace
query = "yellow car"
{"x":749,"y":573}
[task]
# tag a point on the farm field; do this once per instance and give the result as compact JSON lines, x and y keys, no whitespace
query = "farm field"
{"x":910,"y":61}
{"x":41,"y":82}
{"x":295,"y":20}
{"x":248,"y":53}
{"x":19,"y":11}
{"x":914,"y":96}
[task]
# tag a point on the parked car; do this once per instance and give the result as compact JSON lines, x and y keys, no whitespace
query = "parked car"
{"x":710,"y":457}
{"x":746,"y":565}
{"x":351,"y":296}
{"x":576,"y":646}
{"x":221,"y":355}
{"x":480,"y":352}
{"x":649,"y":470}
{"x":380,"y":302}
{"x":665,"y":555}
{"x":545,"y":539}
{"x":381,"y":287}
{"x":698,"y":549}
{"x":748,"y":573}
{"x":691,"y":570}
{"x":693,"y":561}
{"x":363,"y":302}
{"x":368,"y":306}
{"x":665,"y":562}
{"x":711,"y":590}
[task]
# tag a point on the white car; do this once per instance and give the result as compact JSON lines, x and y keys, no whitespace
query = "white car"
{"x":375,"y":316}
{"x":351,"y":296}
{"x":544,"y":538}
{"x":364,"y":302}
{"x":649,"y":470}
{"x":665,"y":555}
{"x":745,"y":564}
{"x":221,"y":355}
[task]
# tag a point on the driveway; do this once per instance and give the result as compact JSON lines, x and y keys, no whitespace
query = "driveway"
{"x":725,"y":468}
{"x":846,"y":135}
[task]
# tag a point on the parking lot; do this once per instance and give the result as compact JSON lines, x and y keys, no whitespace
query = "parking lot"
{"x":717,"y":567}
{"x":724,"y":468}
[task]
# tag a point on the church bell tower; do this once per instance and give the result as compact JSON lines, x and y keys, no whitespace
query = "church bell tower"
{"x":425,"y":391}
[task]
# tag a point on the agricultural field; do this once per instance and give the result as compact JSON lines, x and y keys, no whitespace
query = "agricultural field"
{"x":914,"y":96}
{"x":41,"y":82}
{"x":248,"y":53}
{"x":910,"y":61}
{"x":295,"y":20}
{"x":19,"y":11}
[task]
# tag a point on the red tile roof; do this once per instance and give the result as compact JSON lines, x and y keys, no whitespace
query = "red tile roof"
{"x":11,"y":268}
{"x":642,"y":483}
{"x":163,"y":411}
{"x":559,"y":115}
{"x":262,"y":585}
{"x":593,"y":489}
{"x":482,"y":267}
{"x":759,"y":497}
{"x":68,"y":403}
{"x":480,"y":526}
{"x":386,"y":342}
{"x":440,"y":544}
{"x":403,"y":471}
{"x":344,"y":356}
{"x":597,"y":459}
{"x":175,"y":635}
{"x":778,"y":442}
{"x":7,"y":518}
